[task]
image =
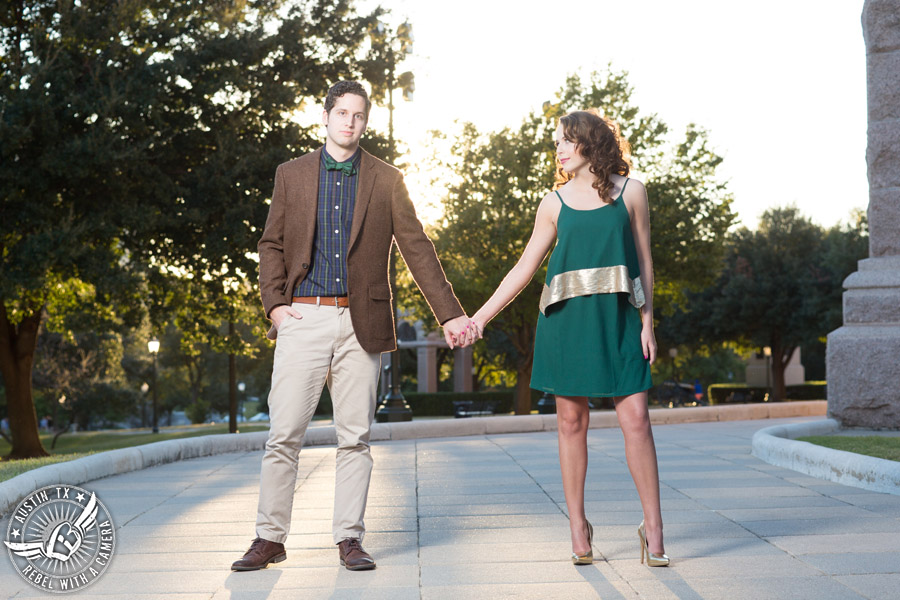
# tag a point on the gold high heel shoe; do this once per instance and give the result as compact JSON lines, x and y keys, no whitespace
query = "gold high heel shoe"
{"x":588,"y":557}
{"x":653,"y":560}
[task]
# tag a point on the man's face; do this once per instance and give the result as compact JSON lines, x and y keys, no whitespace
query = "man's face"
{"x":346,"y":122}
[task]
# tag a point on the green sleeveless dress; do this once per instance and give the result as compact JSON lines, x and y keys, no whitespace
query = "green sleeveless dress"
{"x":588,"y":340}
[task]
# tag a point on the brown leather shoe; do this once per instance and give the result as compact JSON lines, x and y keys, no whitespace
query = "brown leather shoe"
{"x":261,"y":553}
{"x":354,"y":557}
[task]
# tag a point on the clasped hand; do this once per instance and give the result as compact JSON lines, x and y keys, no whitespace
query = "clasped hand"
{"x":461,"y":331}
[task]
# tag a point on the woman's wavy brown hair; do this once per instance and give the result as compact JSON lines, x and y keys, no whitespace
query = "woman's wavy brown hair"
{"x":600,"y":142}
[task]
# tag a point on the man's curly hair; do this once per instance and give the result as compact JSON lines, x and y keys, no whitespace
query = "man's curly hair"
{"x":346,"y":87}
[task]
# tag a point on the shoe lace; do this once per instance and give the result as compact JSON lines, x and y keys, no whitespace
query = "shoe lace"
{"x":256,"y":544}
{"x":353,"y":543}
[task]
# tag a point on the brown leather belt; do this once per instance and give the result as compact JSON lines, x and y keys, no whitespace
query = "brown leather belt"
{"x":323,"y":300}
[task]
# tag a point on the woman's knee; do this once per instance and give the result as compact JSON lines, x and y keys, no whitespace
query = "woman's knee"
{"x":634,"y":418}
{"x":637,"y":425}
{"x":571,"y":418}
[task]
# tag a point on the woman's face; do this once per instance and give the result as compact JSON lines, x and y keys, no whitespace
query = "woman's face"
{"x":567,"y":152}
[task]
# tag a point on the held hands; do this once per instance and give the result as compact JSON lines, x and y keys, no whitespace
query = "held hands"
{"x":461,"y":332}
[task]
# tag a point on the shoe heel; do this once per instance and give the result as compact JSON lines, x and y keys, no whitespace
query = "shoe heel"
{"x":588,"y":557}
{"x":642,"y":540}
{"x":653,"y":560}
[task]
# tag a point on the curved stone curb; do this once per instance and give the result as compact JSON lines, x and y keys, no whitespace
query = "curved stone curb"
{"x":778,"y":446}
{"x":115,"y":462}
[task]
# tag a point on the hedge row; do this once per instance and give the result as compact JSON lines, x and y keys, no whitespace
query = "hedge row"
{"x":737,"y":393}
{"x":440,"y":404}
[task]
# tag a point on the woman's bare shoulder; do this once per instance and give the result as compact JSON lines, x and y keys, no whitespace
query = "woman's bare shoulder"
{"x":549,"y":206}
{"x":635,"y":192}
{"x":550,"y":200}
{"x":634,"y":186}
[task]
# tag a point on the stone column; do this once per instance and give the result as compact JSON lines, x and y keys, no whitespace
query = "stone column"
{"x":427,"y":369}
{"x":863,"y":359}
{"x":462,"y":369}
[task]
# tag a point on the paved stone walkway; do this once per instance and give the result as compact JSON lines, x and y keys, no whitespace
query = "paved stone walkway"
{"x":484,"y":517}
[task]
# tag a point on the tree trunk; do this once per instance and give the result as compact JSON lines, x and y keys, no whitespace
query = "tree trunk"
{"x":17,"y":346}
{"x":780,"y":358}
{"x":232,"y":385}
{"x":195,"y":376}
{"x":778,"y":372}
{"x":523,"y":389}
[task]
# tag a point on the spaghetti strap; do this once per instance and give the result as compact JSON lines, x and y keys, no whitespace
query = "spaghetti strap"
{"x":560,"y":197}
{"x":623,"y":186}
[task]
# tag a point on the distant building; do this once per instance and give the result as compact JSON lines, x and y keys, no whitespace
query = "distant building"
{"x":759,"y":370}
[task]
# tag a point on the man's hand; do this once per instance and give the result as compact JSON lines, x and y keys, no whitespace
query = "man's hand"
{"x":460,"y":332}
{"x":282,"y":312}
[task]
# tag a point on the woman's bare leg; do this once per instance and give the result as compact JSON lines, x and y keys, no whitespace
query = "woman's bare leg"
{"x":573,"y":418}
{"x":640,"y":452}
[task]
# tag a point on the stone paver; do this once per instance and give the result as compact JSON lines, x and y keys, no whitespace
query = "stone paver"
{"x":485,"y":517}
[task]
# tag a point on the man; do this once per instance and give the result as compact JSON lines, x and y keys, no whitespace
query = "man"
{"x":323,"y":278}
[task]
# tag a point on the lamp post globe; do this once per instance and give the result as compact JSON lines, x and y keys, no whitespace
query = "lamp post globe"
{"x":153,"y":348}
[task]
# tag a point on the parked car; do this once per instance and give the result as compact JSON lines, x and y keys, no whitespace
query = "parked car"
{"x":673,"y":394}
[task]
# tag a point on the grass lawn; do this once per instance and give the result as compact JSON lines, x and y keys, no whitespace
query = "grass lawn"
{"x":70,"y":446}
{"x":870,"y":445}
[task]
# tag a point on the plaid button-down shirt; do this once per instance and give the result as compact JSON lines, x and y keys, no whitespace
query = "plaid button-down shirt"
{"x":337,"y":197}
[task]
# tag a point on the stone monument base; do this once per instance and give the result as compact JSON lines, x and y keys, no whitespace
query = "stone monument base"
{"x":864,"y":376}
{"x":863,"y":356}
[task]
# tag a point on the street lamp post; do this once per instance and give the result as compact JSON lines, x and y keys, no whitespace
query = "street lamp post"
{"x":673,"y":354}
{"x":145,"y":387}
{"x":153,"y":347}
{"x":393,"y":406}
{"x":767,"y":352}
{"x":241,"y":386}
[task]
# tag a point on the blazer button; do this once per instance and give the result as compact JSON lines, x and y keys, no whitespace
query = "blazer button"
{"x":305,"y":265}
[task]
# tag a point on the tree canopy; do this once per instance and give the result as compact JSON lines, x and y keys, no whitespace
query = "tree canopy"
{"x":780,"y":287}
{"x":496,"y":180}
{"x":139,"y":139}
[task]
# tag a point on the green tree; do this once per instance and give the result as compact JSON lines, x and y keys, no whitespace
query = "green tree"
{"x":239,"y":82}
{"x":780,"y":287}
{"x":83,"y":376}
{"x":139,"y":140}
{"x":496,"y":181}
{"x":845,"y":244}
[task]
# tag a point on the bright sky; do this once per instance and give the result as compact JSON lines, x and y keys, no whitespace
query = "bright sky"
{"x":780,"y":84}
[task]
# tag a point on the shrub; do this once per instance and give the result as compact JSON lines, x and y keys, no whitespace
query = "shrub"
{"x":739,"y":393}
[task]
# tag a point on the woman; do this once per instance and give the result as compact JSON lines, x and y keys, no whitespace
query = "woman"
{"x":595,"y":331}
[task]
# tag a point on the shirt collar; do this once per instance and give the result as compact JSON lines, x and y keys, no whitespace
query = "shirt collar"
{"x":356,"y":158}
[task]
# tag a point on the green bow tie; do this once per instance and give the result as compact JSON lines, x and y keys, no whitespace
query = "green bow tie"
{"x":346,"y":166}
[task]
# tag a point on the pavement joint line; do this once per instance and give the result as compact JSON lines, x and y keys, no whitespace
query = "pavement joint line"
{"x":476,"y":558}
{"x":418,"y":522}
{"x":124,"y":460}
{"x":778,"y":446}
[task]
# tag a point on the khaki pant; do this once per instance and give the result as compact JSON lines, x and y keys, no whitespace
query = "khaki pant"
{"x":309,"y":352}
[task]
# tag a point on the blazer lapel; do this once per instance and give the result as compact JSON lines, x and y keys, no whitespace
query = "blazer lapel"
{"x":363,"y":195}
{"x":307,"y":211}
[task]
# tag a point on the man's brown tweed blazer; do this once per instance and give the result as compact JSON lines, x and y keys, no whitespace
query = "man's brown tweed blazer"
{"x":383,"y":212}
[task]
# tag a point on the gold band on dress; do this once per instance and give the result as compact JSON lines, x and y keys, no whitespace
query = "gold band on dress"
{"x":584,"y":282}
